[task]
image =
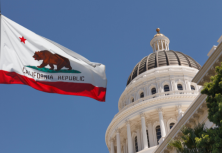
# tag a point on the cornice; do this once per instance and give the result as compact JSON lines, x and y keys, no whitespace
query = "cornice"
{"x":122,"y":116}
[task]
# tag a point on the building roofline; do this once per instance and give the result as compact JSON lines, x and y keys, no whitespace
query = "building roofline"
{"x":207,"y":69}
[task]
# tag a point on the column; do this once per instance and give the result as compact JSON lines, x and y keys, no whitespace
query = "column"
{"x":162,"y":43}
{"x":124,"y":146}
{"x":112,"y":146}
{"x":129,"y":138}
{"x":118,"y":141}
{"x":188,"y":85}
{"x":138,"y":138}
{"x":173,"y":84}
{"x":158,"y":48}
{"x":185,"y":85}
{"x":143,"y":123}
{"x":162,"y":126}
{"x":165,"y":123}
{"x":154,"y":47}
{"x":175,"y":87}
{"x":159,"y":89}
{"x":150,"y":132}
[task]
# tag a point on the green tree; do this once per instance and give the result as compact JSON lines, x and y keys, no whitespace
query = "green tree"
{"x":187,"y":142}
{"x":213,"y":90}
{"x":210,"y":141}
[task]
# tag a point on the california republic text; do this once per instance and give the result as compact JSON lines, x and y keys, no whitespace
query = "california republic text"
{"x":36,"y":75}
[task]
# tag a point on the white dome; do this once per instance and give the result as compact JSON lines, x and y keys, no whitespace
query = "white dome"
{"x":150,"y":105}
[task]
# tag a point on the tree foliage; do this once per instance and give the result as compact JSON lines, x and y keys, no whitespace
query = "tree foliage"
{"x":187,"y":142}
{"x":213,"y":90}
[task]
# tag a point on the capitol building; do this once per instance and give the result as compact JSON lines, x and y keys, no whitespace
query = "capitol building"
{"x":162,"y":95}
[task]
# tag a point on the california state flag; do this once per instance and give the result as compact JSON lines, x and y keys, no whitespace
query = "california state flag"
{"x":29,"y":59}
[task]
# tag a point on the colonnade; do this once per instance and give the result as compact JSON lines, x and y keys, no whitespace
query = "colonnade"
{"x":141,"y":138}
{"x":142,"y":141}
{"x":160,"y":45}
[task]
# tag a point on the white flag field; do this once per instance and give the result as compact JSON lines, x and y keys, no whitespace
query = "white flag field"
{"x":30,"y":59}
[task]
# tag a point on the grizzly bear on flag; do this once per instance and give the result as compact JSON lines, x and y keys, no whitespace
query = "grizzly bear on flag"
{"x":51,"y":60}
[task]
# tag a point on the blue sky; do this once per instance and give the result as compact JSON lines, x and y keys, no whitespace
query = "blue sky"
{"x":115,"y":33}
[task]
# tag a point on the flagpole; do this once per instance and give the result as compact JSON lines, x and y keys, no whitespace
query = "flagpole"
{"x":0,"y":27}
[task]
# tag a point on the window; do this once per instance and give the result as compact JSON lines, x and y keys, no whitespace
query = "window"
{"x":153,"y":91}
{"x":171,"y":125}
{"x":166,"y":89}
{"x":136,"y":144}
{"x":147,"y":134}
{"x":141,"y":95}
{"x":158,"y":134}
{"x":132,"y":100}
{"x":179,"y":87}
{"x":192,"y":87}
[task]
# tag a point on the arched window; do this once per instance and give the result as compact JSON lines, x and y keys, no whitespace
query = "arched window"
{"x":158,"y":134}
{"x":141,"y":95}
{"x":166,"y":89}
{"x":153,"y":91}
{"x":192,"y":87}
{"x":171,"y":125}
{"x":147,"y":134}
{"x":179,"y":87}
{"x":136,"y":144}
{"x":132,"y":100}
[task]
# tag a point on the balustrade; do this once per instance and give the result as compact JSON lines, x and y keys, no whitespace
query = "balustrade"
{"x":162,"y":94}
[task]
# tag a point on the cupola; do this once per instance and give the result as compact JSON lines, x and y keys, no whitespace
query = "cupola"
{"x":159,"y":42}
{"x":162,"y":56}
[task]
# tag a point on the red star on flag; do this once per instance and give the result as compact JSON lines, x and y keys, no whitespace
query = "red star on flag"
{"x":22,"y":39}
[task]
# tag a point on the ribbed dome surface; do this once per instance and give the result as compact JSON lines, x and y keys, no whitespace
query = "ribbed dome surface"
{"x":162,"y":58}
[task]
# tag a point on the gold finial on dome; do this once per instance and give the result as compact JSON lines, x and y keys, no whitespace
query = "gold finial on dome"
{"x":158,"y":30}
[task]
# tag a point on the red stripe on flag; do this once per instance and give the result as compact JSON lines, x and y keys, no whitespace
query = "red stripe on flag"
{"x":67,"y":88}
